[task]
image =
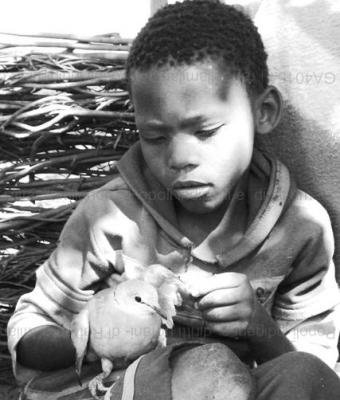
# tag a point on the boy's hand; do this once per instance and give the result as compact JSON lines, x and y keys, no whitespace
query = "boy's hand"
{"x":230,"y":308}
{"x":227,"y":302}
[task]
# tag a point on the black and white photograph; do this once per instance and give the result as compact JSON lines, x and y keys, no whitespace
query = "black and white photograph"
{"x":170,"y":200}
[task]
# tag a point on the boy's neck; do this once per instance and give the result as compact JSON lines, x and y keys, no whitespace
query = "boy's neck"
{"x":197,"y":227}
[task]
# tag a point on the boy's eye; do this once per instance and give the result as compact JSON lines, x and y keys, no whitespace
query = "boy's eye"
{"x":205,"y":133}
{"x":153,"y":139}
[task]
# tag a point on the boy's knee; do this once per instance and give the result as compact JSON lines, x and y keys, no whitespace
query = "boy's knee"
{"x":304,"y":374}
{"x":302,"y":364}
{"x":304,"y":369}
{"x":210,"y":371}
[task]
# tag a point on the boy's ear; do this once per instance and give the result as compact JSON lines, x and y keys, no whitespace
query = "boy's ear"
{"x":268,"y":110}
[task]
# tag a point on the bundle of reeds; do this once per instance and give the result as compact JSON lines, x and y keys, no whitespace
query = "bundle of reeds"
{"x":65,"y":119}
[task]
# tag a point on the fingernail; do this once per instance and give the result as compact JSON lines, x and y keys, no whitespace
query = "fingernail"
{"x":193,"y":291}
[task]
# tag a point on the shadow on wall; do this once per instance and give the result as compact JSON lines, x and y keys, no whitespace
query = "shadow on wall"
{"x":304,"y":58}
{"x":323,"y":15}
{"x":314,"y":164}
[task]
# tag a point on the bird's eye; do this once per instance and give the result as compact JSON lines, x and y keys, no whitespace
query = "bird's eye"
{"x":138,"y":299}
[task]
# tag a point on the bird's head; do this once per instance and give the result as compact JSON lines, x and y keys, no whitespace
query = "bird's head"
{"x":139,"y":294}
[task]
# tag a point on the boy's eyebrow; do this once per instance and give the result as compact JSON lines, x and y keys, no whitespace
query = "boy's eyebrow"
{"x":154,"y":123}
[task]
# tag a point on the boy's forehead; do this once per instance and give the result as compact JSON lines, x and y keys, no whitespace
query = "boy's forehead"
{"x":185,"y":80}
{"x":184,"y":95}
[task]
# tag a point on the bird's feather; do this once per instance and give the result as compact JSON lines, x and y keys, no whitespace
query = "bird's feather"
{"x":133,"y":271}
{"x":80,"y":330}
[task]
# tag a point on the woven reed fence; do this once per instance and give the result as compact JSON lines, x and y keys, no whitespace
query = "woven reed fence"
{"x":65,"y":119}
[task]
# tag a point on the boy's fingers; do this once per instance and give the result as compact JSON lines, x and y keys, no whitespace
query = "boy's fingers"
{"x":231,"y":329}
{"x":220,"y":297}
{"x":226,"y":314}
{"x":219,"y":281}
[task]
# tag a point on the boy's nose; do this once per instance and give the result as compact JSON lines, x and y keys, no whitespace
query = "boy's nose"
{"x":181,"y":153}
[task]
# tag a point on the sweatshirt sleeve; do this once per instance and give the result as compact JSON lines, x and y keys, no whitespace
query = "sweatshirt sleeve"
{"x":307,"y":301}
{"x":66,"y":281}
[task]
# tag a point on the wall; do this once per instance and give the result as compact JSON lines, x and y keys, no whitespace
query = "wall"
{"x":86,"y":17}
{"x":302,"y":40}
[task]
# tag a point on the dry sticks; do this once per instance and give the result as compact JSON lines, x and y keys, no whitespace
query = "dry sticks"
{"x":65,"y":120}
{"x":109,"y":42}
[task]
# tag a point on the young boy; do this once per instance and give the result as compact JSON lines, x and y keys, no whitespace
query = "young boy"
{"x":195,"y":196}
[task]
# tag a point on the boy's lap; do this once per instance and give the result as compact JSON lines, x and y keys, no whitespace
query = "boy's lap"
{"x":193,"y":371}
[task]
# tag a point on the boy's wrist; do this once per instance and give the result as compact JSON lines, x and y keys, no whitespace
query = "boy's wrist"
{"x":259,"y":321}
{"x":262,"y":326}
{"x":264,"y":336}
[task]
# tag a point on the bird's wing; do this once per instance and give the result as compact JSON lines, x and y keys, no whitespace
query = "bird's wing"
{"x":80,"y":330}
{"x":171,"y":290}
{"x":133,"y":271}
{"x":169,"y":299}
{"x":157,"y":274}
{"x":161,"y":339}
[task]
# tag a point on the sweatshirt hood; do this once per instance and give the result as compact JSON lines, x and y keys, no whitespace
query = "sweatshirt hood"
{"x":270,"y":192}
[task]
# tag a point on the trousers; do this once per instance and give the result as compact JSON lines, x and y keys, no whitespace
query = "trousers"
{"x":296,"y":376}
{"x":213,"y":371}
{"x":199,"y":372}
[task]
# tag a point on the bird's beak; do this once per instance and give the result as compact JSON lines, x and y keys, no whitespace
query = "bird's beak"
{"x":155,"y":308}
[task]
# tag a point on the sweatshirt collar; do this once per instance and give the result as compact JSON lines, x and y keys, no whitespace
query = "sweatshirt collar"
{"x":272,"y":203}
{"x":270,"y":191}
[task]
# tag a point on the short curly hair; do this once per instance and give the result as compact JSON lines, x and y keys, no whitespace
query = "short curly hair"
{"x":199,"y":30}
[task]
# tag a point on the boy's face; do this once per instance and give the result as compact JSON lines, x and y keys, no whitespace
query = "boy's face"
{"x":196,"y":131}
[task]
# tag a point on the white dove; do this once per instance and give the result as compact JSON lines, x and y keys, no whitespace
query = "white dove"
{"x":118,"y":325}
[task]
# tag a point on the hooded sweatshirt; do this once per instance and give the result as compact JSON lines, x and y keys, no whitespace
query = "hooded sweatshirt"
{"x":286,"y":252}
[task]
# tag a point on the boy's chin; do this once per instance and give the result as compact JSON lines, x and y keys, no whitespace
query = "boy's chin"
{"x":199,"y":207}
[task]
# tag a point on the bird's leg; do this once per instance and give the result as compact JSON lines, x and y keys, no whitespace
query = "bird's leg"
{"x":96,"y":384}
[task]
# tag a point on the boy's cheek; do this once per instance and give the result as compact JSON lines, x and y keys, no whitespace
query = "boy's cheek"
{"x":159,"y":170}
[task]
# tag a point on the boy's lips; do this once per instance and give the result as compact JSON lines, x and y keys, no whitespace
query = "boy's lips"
{"x":190,"y":190}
